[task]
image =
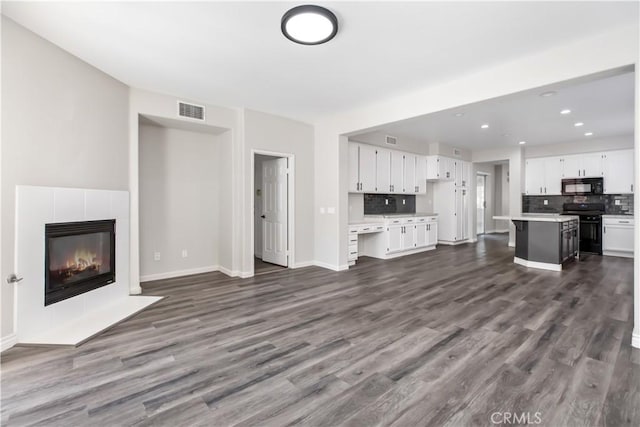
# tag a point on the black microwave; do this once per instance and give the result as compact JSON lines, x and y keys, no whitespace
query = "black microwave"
{"x":582,"y":186}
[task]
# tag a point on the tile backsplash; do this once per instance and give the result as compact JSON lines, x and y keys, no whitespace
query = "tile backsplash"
{"x":380,"y":204}
{"x":535,"y":204}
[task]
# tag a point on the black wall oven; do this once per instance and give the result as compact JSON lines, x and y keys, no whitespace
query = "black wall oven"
{"x":590,"y":224}
{"x":582,"y":186}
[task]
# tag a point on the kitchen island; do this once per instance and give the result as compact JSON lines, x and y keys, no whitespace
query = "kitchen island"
{"x":545,"y":241}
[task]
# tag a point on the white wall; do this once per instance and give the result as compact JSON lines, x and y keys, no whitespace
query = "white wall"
{"x":179,"y":200}
{"x":280,"y":135}
{"x":585,"y":145}
{"x":64,"y":124}
{"x":403,"y":143}
{"x":501,"y":196}
{"x":164,"y":107}
{"x":489,"y":171}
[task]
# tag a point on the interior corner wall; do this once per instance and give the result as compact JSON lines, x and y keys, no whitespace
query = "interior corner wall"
{"x":280,"y":135}
{"x":179,"y":201}
{"x":147,"y":103}
{"x":67,"y":127}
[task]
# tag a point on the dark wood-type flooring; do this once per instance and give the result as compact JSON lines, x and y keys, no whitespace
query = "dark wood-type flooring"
{"x":261,"y":267}
{"x":446,"y":337}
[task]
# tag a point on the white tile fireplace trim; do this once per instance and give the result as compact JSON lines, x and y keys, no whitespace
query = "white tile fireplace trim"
{"x":76,"y":319}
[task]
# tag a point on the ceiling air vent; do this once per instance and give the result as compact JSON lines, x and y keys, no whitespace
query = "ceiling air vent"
{"x":190,"y":111}
{"x":457,"y":152}
{"x":391,"y":140}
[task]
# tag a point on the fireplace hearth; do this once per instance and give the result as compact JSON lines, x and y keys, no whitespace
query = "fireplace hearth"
{"x":79,"y":257}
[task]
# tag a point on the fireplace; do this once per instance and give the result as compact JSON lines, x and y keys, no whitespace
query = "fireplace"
{"x":79,"y":257}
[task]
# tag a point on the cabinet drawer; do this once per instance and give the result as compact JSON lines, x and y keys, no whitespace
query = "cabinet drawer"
{"x":410,"y":221}
{"x":353,"y":230}
{"x":395,"y":221}
{"x":619,"y":221}
{"x":379,"y":227}
{"x":353,"y":239}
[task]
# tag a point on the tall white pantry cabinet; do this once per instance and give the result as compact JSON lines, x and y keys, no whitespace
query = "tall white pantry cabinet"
{"x":451,"y":197}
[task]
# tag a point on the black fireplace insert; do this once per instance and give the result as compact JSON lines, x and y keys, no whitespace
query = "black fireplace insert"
{"x":79,"y":257}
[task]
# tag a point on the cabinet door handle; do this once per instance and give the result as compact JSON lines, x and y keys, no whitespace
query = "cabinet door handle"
{"x":540,"y":190}
{"x":545,"y":190}
{"x":604,"y":229}
{"x":584,"y":172}
{"x":623,"y":222}
{"x":632,"y":188}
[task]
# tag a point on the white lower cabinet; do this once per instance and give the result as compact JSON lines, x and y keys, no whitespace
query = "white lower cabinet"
{"x":617,"y":235}
{"x":402,"y":236}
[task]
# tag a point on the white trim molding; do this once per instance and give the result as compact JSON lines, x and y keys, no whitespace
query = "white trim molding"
{"x":8,"y":341}
{"x":635,"y":340}
{"x":331,"y":266}
{"x":303,"y":264}
{"x":540,"y":265}
{"x":180,"y":273}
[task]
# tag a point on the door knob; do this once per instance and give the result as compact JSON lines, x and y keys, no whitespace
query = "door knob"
{"x":12,"y":278}
{"x":262,"y":216}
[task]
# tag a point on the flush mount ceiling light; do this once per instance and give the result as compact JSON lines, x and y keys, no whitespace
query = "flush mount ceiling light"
{"x":588,"y":133}
{"x":565,"y":111}
{"x":578,"y":124}
{"x":309,"y":25}
{"x":522,"y":142}
{"x":548,"y":94}
{"x":459,"y":114}
{"x":484,"y":126}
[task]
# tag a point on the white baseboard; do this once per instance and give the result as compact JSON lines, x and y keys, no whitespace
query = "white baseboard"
{"x":230,"y":273}
{"x":244,"y":274}
{"x":459,"y":242}
{"x":331,"y":266}
{"x":179,"y":273}
{"x":303,"y":264}
{"x":8,"y":341}
{"x":506,"y":230}
{"x":622,"y":254}
{"x":635,"y":339}
{"x":135,"y":291}
{"x":539,"y":265}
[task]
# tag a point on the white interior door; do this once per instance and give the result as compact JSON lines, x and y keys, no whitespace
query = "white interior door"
{"x":274,"y":211}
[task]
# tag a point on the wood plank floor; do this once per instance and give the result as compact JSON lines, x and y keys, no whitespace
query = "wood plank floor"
{"x":447,"y":337}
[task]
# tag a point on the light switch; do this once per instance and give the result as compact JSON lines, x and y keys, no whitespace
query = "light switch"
{"x":386,"y":201}
{"x":331,"y":210}
{"x":546,"y":202}
{"x":617,"y":202}
{"x":404,"y":202}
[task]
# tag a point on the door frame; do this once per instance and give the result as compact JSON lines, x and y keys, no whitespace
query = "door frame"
{"x":290,"y":205}
{"x":484,"y":175}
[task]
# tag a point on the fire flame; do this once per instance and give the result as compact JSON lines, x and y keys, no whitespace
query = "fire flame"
{"x":83,"y":259}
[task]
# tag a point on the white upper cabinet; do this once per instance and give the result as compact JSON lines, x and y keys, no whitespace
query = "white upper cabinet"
{"x":440,"y":168}
{"x":553,"y":176}
{"x":534,"y":177}
{"x":367,"y":168}
{"x":582,"y":165}
{"x":543,"y":176}
{"x":618,"y":171}
{"x":397,"y":172}
{"x":421,"y":174}
{"x":383,"y":171}
{"x":409,"y":182}
{"x":354,"y":168}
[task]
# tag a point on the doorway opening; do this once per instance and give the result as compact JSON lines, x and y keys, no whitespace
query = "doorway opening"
{"x":481,"y":202}
{"x":271,"y":202}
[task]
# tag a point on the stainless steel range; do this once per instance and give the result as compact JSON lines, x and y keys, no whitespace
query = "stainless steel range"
{"x":590,"y":224}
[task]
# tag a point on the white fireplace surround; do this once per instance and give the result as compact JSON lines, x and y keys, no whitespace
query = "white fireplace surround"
{"x":74,"y":320}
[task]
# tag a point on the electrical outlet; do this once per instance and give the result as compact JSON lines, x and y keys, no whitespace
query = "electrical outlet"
{"x":546,"y":202}
{"x":386,"y":201}
{"x":156,"y":256}
{"x":184,"y":253}
{"x":617,"y":202}
{"x":404,"y":202}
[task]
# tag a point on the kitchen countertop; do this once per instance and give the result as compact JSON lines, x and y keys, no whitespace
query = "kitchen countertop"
{"x":539,"y":217}
{"x":401,"y":215}
{"x":618,"y":216}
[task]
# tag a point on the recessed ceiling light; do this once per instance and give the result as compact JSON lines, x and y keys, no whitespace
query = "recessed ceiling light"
{"x":459,"y":114}
{"x":548,"y":94}
{"x":578,"y":124}
{"x":588,"y":133}
{"x":565,"y":111}
{"x":522,"y":142}
{"x":309,"y":24}
{"x":484,"y":126}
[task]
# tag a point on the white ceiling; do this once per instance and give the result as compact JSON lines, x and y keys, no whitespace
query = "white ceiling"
{"x":605,"y":105}
{"x":233,"y":54}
